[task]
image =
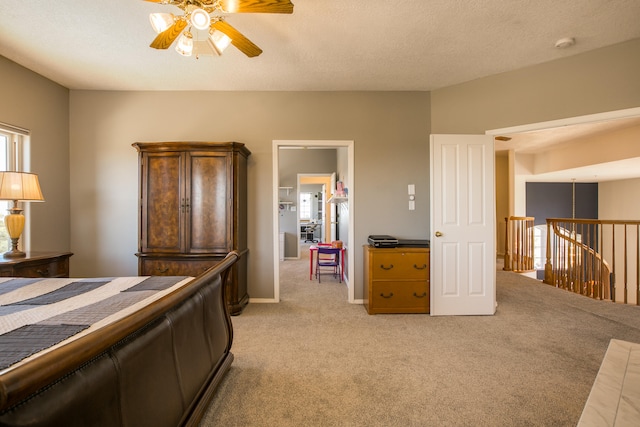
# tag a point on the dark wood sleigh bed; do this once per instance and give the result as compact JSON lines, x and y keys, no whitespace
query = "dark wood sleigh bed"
{"x":156,"y":364}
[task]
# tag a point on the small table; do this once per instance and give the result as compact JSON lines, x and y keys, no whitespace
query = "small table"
{"x":313,"y":250}
{"x":36,"y":264}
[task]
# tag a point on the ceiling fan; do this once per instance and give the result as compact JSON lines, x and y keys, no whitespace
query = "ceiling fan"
{"x":205,"y":20}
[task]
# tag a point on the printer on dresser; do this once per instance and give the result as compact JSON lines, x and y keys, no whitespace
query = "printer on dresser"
{"x":396,"y":275}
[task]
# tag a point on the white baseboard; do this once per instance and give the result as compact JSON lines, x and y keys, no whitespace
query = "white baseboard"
{"x":262,"y":300}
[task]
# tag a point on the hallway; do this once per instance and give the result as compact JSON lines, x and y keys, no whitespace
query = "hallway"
{"x":295,"y":283}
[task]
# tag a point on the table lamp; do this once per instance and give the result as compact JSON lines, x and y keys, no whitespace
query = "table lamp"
{"x":19,"y":187}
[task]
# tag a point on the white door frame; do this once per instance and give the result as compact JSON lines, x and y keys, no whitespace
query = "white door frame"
{"x":349,"y":144}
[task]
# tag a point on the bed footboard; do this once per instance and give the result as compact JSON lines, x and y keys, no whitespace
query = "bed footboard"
{"x":156,"y":367}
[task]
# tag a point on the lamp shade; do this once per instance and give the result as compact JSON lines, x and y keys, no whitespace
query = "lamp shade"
{"x":218,"y":41}
{"x":22,"y":186}
{"x":185,"y":44}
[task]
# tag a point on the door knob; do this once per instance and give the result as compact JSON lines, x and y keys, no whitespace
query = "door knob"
{"x":438,"y":234}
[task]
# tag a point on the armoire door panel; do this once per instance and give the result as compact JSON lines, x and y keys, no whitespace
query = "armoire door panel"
{"x":164,"y":204}
{"x":208,"y":228}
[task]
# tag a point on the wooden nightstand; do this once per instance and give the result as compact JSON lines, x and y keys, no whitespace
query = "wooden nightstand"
{"x":36,"y":264}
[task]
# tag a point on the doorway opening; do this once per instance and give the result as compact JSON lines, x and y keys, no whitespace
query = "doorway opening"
{"x":283,"y":184}
{"x":315,"y":212}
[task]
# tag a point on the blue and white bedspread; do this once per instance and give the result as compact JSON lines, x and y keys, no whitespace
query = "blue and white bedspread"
{"x":37,"y":315}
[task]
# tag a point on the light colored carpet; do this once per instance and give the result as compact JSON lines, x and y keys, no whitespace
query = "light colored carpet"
{"x":315,"y":360}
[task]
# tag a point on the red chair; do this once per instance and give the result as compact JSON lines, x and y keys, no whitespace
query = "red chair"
{"x":328,"y":258}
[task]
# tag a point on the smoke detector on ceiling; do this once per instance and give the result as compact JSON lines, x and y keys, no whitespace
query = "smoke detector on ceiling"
{"x":565,"y":42}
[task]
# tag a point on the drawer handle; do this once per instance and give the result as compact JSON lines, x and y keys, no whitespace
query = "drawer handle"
{"x":420,"y":268}
{"x":424,"y":294}
{"x":163,"y":270}
{"x":386,"y":296}
{"x":43,"y":273}
{"x":386,"y":268}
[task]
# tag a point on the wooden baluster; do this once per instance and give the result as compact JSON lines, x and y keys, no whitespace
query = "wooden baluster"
{"x":507,"y":255}
{"x":637,"y":264}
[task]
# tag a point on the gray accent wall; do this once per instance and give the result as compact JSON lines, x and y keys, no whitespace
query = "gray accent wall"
{"x":559,"y":199}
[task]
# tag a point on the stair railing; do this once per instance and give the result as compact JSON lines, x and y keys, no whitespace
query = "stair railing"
{"x":519,"y":244}
{"x":595,"y":258}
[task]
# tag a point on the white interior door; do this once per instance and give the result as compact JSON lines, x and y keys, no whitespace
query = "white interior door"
{"x":462,"y":225}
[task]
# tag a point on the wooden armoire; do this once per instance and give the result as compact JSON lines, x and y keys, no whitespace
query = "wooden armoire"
{"x":193,"y":211}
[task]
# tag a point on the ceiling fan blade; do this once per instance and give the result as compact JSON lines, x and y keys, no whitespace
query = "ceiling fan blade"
{"x":165,"y":38}
{"x":257,"y":6}
{"x":243,"y":44}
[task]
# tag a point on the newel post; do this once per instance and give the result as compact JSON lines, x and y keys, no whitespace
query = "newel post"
{"x":507,"y":254}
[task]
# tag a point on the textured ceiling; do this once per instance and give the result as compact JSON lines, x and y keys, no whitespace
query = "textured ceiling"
{"x":324,"y":45}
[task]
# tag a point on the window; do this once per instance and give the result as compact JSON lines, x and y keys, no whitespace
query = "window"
{"x":305,"y":206}
{"x":12,"y":141}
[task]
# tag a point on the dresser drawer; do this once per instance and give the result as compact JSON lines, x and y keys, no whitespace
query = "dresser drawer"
{"x":399,"y":297}
{"x":169,"y":267}
{"x":44,"y":269}
{"x":399,"y":265}
{"x":37,"y":264}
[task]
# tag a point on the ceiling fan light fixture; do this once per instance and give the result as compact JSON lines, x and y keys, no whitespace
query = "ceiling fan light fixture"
{"x":185,"y":44}
{"x":161,"y":21}
{"x":200,"y":19}
{"x":218,"y":41}
{"x":187,"y":30}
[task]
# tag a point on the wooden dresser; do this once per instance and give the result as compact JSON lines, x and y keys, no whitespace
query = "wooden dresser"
{"x":36,"y":264}
{"x":397,"y":280}
{"x":193,"y":211}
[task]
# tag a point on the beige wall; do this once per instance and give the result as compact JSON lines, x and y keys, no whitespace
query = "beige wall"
{"x":502,"y":200}
{"x":390,"y":130}
{"x":619,"y":200}
{"x":32,"y":102}
{"x":594,"y":82}
{"x":601,"y":148}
